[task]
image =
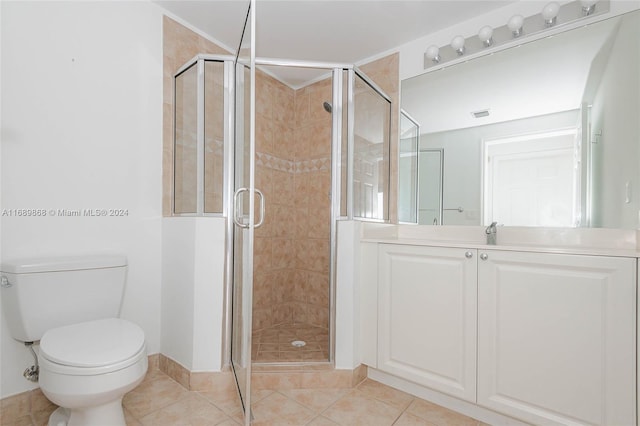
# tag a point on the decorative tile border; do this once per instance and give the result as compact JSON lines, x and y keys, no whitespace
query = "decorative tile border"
{"x":271,"y":162}
{"x":314,"y":165}
{"x":304,"y":166}
{"x":214,"y":145}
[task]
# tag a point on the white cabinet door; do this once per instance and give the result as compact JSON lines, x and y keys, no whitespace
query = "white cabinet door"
{"x":556,"y":337}
{"x":427,"y":317}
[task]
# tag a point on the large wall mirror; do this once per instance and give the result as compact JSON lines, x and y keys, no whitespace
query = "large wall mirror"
{"x":544,"y":134}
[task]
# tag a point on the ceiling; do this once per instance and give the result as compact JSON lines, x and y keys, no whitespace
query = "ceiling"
{"x":326,"y":30}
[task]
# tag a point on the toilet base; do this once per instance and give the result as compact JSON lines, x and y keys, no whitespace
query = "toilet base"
{"x":110,"y":414}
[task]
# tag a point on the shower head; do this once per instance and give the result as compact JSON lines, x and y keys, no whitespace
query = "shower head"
{"x":327,"y":107}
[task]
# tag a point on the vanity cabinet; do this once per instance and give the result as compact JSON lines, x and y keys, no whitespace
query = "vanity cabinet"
{"x":427,"y":316}
{"x":549,"y":338}
{"x":556,"y":337}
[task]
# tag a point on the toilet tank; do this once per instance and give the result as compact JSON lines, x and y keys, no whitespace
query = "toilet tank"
{"x":44,"y":293}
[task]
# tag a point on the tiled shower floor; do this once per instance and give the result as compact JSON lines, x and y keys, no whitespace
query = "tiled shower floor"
{"x":274,"y":344}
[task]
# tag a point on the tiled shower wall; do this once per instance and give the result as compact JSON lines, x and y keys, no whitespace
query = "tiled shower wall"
{"x":180,"y":44}
{"x":293,"y":150}
{"x":274,"y":260}
{"x":312,"y":194}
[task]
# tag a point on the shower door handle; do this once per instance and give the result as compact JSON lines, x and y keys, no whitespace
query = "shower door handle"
{"x":261,"y":221}
{"x":238,"y":220}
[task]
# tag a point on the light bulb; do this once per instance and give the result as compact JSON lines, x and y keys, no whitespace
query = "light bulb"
{"x":458,"y":45}
{"x":588,"y":7}
{"x":433,"y":53}
{"x":550,"y":13}
{"x":515,"y":25}
{"x":485,"y":35}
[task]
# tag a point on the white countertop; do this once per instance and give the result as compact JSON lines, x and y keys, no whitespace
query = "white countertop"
{"x":583,"y":241}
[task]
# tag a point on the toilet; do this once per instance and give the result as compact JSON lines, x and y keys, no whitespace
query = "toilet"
{"x":88,"y":357}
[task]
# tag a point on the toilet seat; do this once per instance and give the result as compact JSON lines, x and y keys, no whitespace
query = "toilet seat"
{"x":92,"y":347}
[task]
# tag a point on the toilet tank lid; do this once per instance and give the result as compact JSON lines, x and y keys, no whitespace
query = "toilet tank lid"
{"x":66,"y":263}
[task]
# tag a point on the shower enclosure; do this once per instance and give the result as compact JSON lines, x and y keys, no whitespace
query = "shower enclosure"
{"x":304,"y":139}
{"x":291,"y":294}
{"x":283,"y":165}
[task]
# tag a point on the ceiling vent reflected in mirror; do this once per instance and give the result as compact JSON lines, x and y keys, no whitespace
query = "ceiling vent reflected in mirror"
{"x":481,"y":113}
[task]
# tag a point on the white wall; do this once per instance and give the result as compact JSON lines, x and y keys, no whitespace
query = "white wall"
{"x":81,"y":129}
{"x":348,"y":293}
{"x":193,"y":257}
{"x":615,"y":118}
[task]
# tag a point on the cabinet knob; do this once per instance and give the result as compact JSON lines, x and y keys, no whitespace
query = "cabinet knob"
{"x":468,"y":255}
{"x":484,"y":256}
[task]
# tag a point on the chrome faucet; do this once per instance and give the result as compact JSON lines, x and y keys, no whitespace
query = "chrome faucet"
{"x":492,"y":233}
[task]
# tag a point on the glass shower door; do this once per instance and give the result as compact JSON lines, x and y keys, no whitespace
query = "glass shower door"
{"x":242,"y":214}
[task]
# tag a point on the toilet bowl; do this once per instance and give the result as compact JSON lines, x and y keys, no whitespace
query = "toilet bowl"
{"x":87,"y":368}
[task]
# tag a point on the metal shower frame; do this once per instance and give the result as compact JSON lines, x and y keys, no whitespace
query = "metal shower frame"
{"x":336,"y":71}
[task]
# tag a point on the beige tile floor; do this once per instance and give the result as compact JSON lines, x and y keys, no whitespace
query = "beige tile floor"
{"x":274,"y":344}
{"x":160,"y":401}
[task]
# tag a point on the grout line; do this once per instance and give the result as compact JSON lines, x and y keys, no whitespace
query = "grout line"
{"x":155,"y":379}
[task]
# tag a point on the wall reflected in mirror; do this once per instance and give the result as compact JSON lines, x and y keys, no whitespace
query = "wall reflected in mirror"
{"x":430,"y":208}
{"x":408,"y":169}
{"x":544,"y":134}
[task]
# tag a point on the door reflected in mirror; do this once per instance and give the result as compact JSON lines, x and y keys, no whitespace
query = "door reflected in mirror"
{"x":533,"y":180}
{"x":557,"y":142}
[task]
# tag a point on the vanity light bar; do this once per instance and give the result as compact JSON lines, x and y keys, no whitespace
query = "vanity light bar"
{"x":518,"y":27}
